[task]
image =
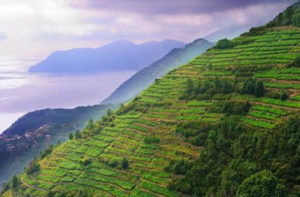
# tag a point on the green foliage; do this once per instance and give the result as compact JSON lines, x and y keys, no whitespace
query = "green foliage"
{"x":208,"y":88}
{"x":71,"y":136}
{"x":234,"y":107}
{"x":46,"y":152}
{"x":295,"y":63}
{"x":78,"y":134}
{"x":254,"y":87}
{"x":291,"y":16}
{"x":15,"y":181}
{"x":264,"y":162}
{"x":125,"y":164}
{"x":33,"y":167}
{"x":178,"y":167}
{"x":85,"y":161}
{"x":151,"y":140}
{"x":263,"y":183}
{"x":224,"y":44}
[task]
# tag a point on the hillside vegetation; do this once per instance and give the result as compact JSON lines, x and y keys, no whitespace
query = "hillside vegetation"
{"x":145,"y":77}
{"x":37,"y":130}
{"x":225,"y":124}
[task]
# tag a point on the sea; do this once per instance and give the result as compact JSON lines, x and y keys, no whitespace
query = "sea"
{"x":22,"y":92}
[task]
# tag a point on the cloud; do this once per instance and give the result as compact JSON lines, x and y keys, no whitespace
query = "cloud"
{"x":38,"y":27}
{"x":3,"y":36}
{"x":172,"y":6}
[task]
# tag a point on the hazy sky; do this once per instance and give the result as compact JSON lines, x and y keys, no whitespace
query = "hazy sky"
{"x":38,"y":27}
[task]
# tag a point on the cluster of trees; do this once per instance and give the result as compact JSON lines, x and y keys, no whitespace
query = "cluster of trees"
{"x":207,"y":89}
{"x":224,"y":44}
{"x":233,"y":107}
{"x":79,"y":193}
{"x":291,"y":16}
{"x":210,"y":87}
{"x":254,"y":87}
{"x":151,"y":140}
{"x":244,"y":162}
{"x":33,"y":167}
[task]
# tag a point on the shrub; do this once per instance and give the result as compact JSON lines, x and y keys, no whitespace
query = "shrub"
{"x":125,"y":164}
{"x":284,"y":96}
{"x":71,"y":136}
{"x":33,"y":167}
{"x":77,"y":134}
{"x":151,"y":140}
{"x":233,"y":107}
{"x":15,"y":182}
{"x":46,"y":152}
{"x":113,"y":162}
{"x":85,"y":161}
{"x":254,"y":87}
{"x":178,"y":167}
{"x":295,"y":63}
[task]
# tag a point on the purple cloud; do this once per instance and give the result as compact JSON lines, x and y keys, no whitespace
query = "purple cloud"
{"x":173,"y":6}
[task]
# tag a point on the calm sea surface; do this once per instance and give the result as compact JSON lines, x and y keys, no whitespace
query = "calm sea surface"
{"x":22,"y":92}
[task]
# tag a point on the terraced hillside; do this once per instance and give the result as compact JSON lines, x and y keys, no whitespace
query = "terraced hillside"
{"x":127,"y":152}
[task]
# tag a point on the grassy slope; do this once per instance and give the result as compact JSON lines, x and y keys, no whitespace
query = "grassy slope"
{"x":156,"y":113}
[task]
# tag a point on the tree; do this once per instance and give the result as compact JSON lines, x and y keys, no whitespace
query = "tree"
{"x":189,"y":87}
{"x":109,"y":112}
{"x":296,"y":19}
{"x":15,"y":181}
{"x":71,"y":136}
{"x":284,"y":96}
{"x":224,"y":44}
{"x":33,"y":167}
{"x":259,"y":89}
{"x":125,"y":164}
{"x":263,"y":184}
{"x":77,"y":134}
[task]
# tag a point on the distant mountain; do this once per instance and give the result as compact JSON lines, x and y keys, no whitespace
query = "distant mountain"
{"x":118,"y":55}
{"x":146,"y":76}
{"x":35,"y":131}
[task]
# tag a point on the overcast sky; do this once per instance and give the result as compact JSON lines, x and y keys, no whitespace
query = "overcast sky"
{"x":38,"y":27}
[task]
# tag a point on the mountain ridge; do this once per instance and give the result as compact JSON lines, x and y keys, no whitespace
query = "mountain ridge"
{"x":109,"y":57}
{"x":146,"y":76}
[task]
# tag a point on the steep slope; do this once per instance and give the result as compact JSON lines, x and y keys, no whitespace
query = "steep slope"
{"x":146,"y":76}
{"x":119,"y":55}
{"x":252,"y":80}
{"x":33,"y":132}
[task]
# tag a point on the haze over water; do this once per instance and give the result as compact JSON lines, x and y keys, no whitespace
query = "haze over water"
{"x":22,"y":92}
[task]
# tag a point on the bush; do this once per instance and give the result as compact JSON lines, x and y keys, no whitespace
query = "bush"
{"x":208,"y":88}
{"x":254,"y":87}
{"x":178,"y":167}
{"x":46,"y":152}
{"x":71,"y":136}
{"x":151,"y":140}
{"x":234,"y":107}
{"x":85,"y":161}
{"x":295,"y":63}
{"x":15,"y":182}
{"x":77,"y":134}
{"x":113,"y":162}
{"x":284,"y":96}
{"x":125,"y":164}
{"x":32,"y":168}
{"x":224,"y":44}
